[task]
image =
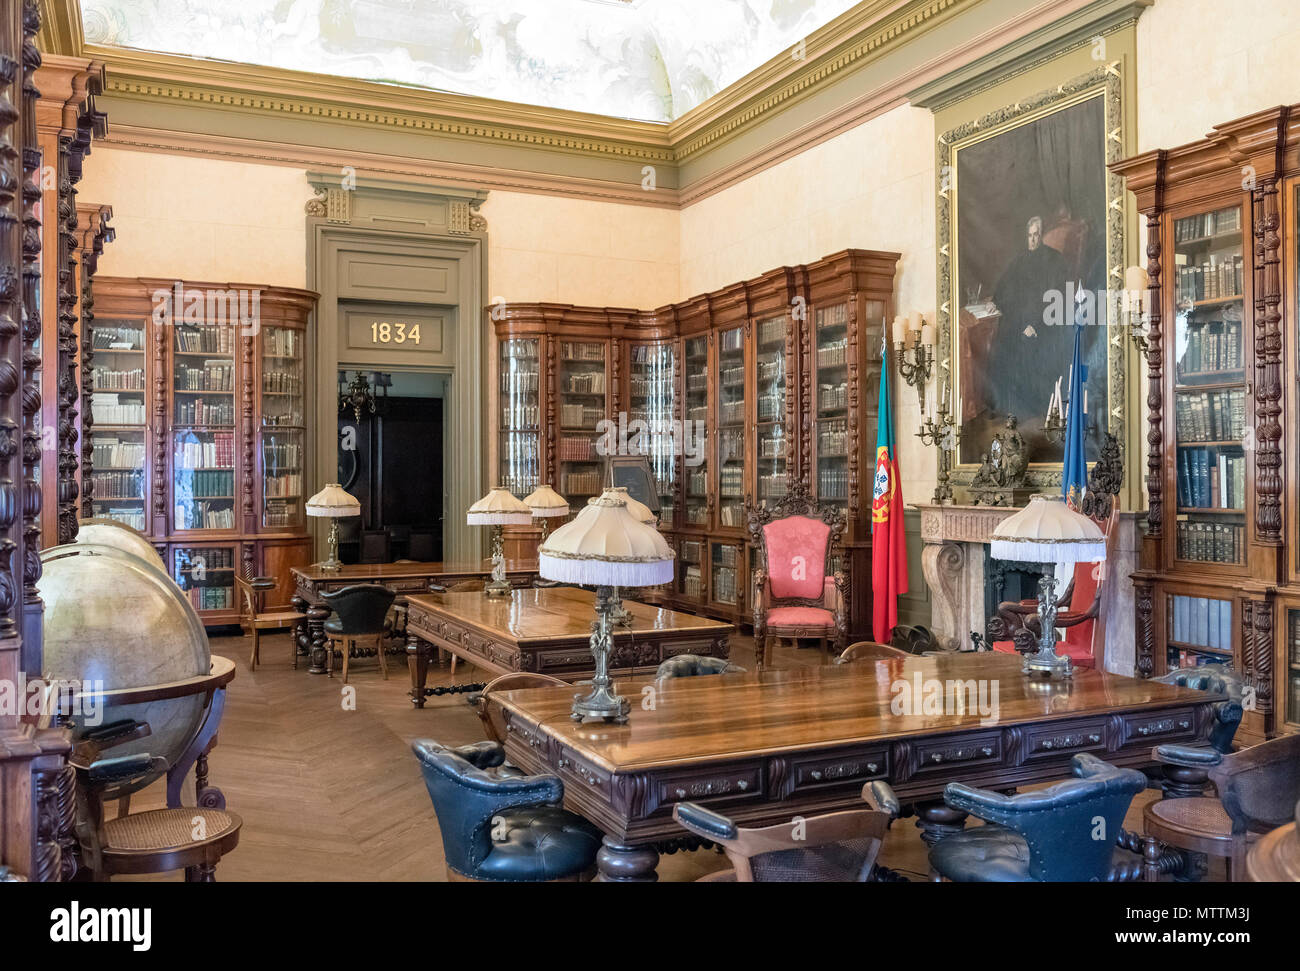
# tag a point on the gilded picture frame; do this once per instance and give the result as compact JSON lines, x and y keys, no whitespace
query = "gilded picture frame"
{"x":1104,"y":85}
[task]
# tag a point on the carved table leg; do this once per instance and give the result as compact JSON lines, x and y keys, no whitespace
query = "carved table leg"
{"x":937,"y":820}
{"x":418,"y":655}
{"x":316,"y":617}
{"x":301,"y":635}
{"x":619,"y":863}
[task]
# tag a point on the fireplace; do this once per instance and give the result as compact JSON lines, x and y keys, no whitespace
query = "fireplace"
{"x":1008,"y":580}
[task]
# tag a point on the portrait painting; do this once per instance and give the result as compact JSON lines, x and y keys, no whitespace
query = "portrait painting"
{"x":1030,"y":242}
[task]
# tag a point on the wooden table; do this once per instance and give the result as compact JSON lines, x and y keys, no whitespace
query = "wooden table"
{"x":548,"y":631}
{"x":401,"y":578}
{"x":765,"y":747}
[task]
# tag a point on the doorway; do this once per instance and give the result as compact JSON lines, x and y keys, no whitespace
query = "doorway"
{"x":392,"y":461}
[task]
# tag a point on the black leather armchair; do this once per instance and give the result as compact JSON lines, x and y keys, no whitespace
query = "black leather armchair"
{"x":693,"y":665}
{"x":503,"y":827}
{"x":360,"y":612}
{"x":1066,"y":832}
{"x":1182,"y":771}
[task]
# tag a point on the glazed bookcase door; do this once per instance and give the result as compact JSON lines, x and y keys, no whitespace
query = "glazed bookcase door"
{"x":731,"y":381}
{"x":1199,"y":630}
{"x":204,"y":442}
{"x":581,"y":384}
{"x":726,"y":575}
{"x":282,"y":428}
{"x":119,"y":436}
{"x":691,"y":576}
{"x":772,"y":436}
{"x":205,"y":572}
{"x":830,"y":405}
{"x":1289,"y":681}
{"x":652,"y":382}
{"x":696,"y":477}
{"x":1210,"y":276}
{"x":521,"y":382}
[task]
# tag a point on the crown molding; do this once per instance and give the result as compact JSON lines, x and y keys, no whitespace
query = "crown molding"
{"x":61,"y":31}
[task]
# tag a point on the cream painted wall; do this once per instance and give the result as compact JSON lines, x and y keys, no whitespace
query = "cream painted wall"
{"x":204,"y":219}
{"x":600,"y":254}
{"x":227,"y":221}
{"x":869,"y":188}
{"x":1205,"y":62}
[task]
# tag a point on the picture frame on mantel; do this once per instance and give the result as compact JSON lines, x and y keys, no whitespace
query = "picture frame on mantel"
{"x":1028,"y":215}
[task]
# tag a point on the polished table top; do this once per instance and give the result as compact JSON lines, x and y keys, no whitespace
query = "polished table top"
{"x":728,"y":716}
{"x":362,"y":572}
{"x":555,"y":613}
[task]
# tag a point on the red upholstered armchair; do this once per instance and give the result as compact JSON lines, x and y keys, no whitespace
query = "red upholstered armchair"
{"x":796,"y":594}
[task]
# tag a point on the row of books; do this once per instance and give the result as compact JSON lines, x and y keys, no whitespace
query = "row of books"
{"x":833,"y":483}
{"x":580,"y":416}
{"x":282,"y":342}
{"x":212,"y":598}
{"x":731,"y":481}
{"x":281,"y":411}
{"x":724,"y":585}
{"x":733,"y":377}
{"x":109,"y":409}
{"x":656,"y":355}
{"x":731,"y":341}
{"x":1211,"y":416}
{"x":203,"y":559}
{"x":205,"y":515}
{"x":206,"y":484}
{"x":111,"y":452}
{"x":582,"y":352}
{"x":279,"y":512}
{"x":1212,"y":280}
{"x":1210,"y":542}
{"x":833,"y":397}
{"x":580,"y":483}
{"x":731,"y":445}
{"x":572,"y":448}
{"x":1201,"y":621}
{"x":519,"y":349}
{"x":281,"y":454}
{"x":1176,"y":657}
{"x":108,"y":379}
{"x":201,"y":411}
{"x":588,"y":382}
{"x":286,"y":486}
{"x":104,"y":338}
{"x":206,"y":339}
{"x":215,"y":375}
{"x":126,"y":515}
{"x":837,"y":316}
{"x":218,"y":451}
{"x":281,"y":382}
{"x":519,"y":382}
{"x":772,"y":330}
{"x":1207,"y":224}
{"x":1211,"y":480}
{"x":118,"y":485}
{"x":1214,"y":346}
{"x":832,"y":354}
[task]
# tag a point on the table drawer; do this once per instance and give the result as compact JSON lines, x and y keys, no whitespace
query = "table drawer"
{"x":1164,"y":726}
{"x":1047,"y":741}
{"x":574,"y":771}
{"x":565,"y":662}
{"x":711,"y":786}
{"x":944,"y":754}
{"x":408,"y":586}
{"x":852,"y":768}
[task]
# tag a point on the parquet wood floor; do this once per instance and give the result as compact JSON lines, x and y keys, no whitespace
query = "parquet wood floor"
{"x":329,"y":790}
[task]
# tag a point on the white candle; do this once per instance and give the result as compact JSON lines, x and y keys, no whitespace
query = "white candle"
{"x":927,"y":334}
{"x":917,"y":320}
{"x":900,"y":329}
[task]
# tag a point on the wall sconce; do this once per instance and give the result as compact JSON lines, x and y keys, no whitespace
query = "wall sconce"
{"x":914,"y":351}
{"x":1136,"y":293}
{"x":359,"y":395}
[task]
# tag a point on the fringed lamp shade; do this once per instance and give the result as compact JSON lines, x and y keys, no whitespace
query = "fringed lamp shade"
{"x":499,"y":508}
{"x":1048,"y":531}
{"x":637,"y":509}
{"x":546,"y":503}
{"x":604,"y":545}
{"x":333,"y":503}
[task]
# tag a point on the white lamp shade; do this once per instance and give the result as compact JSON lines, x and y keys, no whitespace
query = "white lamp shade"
{"x":333,"y":503}
{"x":637,"y":509}
{"x":605,"y":546}
{"x":499,"y":508}
{"x":1048,"y":531}
{"x":546,"y":503}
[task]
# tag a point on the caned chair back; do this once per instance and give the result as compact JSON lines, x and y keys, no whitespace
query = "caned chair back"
{"x":1259,"y":786}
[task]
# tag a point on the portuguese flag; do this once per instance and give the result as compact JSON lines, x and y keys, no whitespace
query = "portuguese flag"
{"x":888,"y":546}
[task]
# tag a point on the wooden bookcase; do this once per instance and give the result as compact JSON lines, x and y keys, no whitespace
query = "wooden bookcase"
{"x":782,"y":371}
{"x":1219,"y":581}
{"x":197,"y":431}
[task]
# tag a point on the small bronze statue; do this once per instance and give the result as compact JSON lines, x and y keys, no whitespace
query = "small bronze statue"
{"x":1000,"y":480}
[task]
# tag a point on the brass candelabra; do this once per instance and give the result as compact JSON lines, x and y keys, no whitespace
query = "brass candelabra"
{"x":941,"y":431}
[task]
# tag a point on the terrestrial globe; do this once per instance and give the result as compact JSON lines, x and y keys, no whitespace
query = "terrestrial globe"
{"x":118,"y":619}
{"x":109,"y":532}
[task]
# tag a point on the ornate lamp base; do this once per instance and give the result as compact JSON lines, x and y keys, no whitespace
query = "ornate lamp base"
{"x":499,"y":588}
{"x":1046,"y":660}
{"x":333,"y":564}
{"x":602,"y":701}
{"x":1050,"y":663}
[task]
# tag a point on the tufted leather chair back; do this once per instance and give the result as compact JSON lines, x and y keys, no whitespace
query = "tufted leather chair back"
{"x":1219,"y":679}
{"x":465,"y":797}
{"x":692,"y":665}
{"x":1060,"y":823}
{"x":361,"y":608}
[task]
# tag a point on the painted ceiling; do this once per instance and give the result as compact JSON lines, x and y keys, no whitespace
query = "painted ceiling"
{"x":651,"y":60}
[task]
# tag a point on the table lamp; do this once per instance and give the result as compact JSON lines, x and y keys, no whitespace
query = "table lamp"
{"x":547,"y":504}
{"x":1048,"y":531}
{"x":642,"y":514}
{"x":498,"y":508}
{"x":333,"y":503}
{"x":605,"y":547}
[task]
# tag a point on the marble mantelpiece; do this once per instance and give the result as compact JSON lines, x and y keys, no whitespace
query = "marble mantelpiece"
{"x":953,"y":560}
